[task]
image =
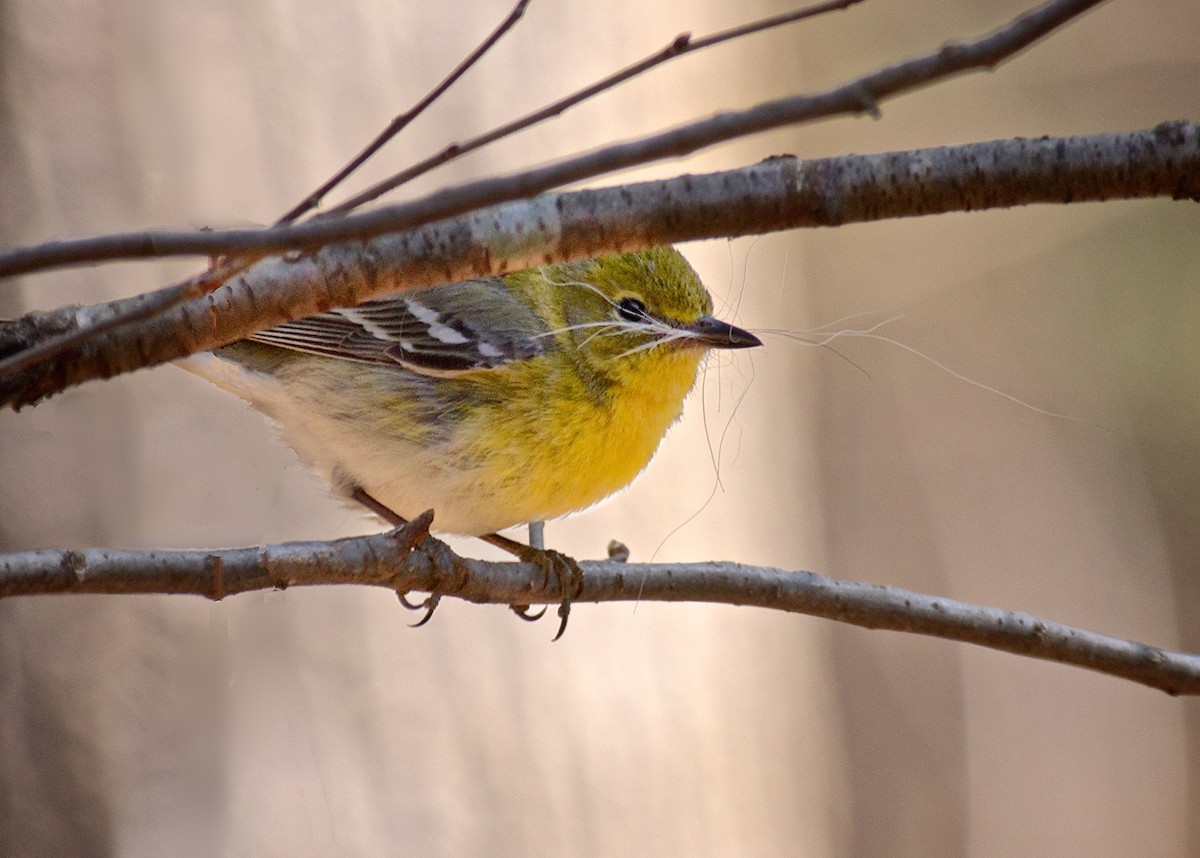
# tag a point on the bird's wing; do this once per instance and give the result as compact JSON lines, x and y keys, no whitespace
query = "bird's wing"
{"x":445,"y":330}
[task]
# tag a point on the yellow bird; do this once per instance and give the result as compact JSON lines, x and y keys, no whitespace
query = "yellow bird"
{"x":495,"y":402}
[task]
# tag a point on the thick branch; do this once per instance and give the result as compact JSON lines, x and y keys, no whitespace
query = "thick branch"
{"x":385,"y":560}
{"x":780,"y":193}
{"x":862,"y":95}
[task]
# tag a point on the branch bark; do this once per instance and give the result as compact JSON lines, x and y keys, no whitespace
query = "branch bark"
{"x":781,"y":193}
{"x":390,"y":560}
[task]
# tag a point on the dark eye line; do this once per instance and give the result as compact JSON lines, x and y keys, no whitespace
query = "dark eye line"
{"x":632,"y":310}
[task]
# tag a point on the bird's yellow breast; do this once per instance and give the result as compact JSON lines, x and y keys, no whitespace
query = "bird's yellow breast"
{"x":599,"y":442}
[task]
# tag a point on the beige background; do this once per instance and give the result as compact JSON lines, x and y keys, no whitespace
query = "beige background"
{"x":315,"y":723}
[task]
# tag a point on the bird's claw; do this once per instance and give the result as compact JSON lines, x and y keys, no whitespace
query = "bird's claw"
{"x":428,"y":606}
{"x":522,"y":611}
{"x":564,"y":614}
{"x":403,"y":597}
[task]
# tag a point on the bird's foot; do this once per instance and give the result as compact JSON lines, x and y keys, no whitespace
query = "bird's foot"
{"x":564,"y":569}
{"x":567,"y":573}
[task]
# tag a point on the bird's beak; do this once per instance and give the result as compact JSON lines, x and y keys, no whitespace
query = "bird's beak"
{"x":720,"y":335}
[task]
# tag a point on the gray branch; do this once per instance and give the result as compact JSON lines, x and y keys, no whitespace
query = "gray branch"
{"x":781,"y":193}
{"x":389,"y":560}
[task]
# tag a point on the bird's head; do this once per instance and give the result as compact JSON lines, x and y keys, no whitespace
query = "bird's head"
{"x":625,"y":309}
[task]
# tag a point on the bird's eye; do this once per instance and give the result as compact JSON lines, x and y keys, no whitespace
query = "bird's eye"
{"x":632,"y":310}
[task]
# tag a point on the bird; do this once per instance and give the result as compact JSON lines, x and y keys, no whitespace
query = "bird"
{"x":496,"y":401}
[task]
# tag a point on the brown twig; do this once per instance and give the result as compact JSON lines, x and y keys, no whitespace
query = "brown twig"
{"x":399,"y":123}
{"x":859,"y":96}
{"x":388,"y":560}
{"x":680,"y":45}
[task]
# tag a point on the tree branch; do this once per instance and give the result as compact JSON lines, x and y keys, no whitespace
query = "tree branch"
{"x":862,"y":95}
{"x":781,"y":193}
{"x":389,"y":560}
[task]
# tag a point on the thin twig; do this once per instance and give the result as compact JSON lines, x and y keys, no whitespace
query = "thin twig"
{"x":399,"y":123}
{"x":388,"y":560}
{"x":127,"y":311}
{"x":680,"y":45}
{"x":859,"y":96}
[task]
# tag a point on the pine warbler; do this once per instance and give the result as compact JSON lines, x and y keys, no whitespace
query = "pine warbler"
{"x":496,"y":401}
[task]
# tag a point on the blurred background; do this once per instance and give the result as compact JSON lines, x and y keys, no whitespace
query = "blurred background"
{"x":315,"y":723}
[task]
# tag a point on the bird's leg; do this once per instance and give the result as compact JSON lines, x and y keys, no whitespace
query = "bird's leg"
{"x":564,"y":568}
{"x":360,"y":495}
{"x":537,"y":535}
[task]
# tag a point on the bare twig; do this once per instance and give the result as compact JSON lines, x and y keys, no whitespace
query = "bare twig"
{"x":680,"y":45}
{"x":399,"y":123}
{"x":387,"y":560}
{"x":116,"y":314}
{"x":777,"y":194}
{"x":859,"y":96}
